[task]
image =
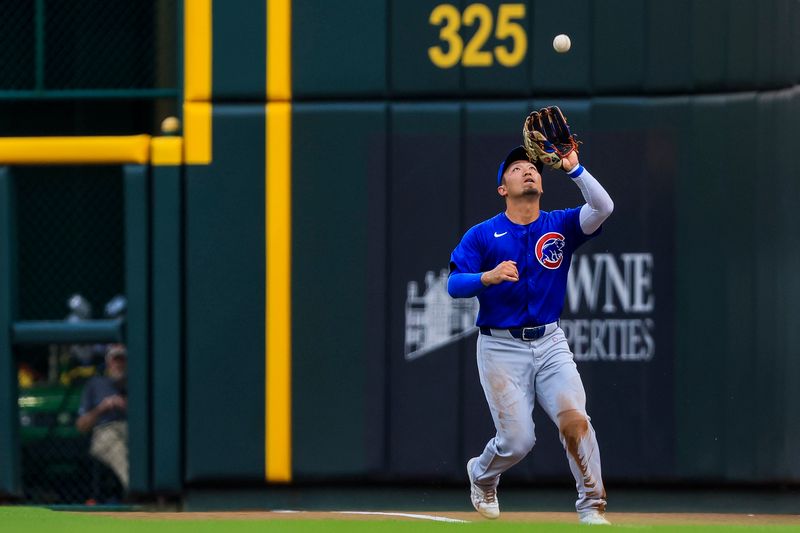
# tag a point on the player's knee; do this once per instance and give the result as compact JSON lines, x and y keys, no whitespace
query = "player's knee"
{"x":520,"y":446}
{"x":573,"y":425}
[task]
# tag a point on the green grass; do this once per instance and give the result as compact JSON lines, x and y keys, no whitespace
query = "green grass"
{"x":36,"y":520}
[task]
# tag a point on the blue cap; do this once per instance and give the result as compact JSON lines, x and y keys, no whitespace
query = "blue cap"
{"x":517,"y":154}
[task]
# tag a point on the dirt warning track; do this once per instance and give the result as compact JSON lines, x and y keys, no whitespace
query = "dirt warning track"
{"x":443,"y":516}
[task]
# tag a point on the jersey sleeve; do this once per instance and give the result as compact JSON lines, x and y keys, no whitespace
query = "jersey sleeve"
{"x":466,"y":258}
{"x":572,"y":226}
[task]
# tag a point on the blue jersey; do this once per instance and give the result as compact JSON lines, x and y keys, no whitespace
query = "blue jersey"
{"x":542,"y":250}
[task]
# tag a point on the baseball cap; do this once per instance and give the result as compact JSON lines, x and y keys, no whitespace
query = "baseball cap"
{"x":517,"y":154}
{"x":116,"y":350}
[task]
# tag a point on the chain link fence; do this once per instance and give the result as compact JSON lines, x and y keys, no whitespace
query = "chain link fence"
{"x":17,"y":45}
{"x":62,"y":45}
{"x":69,"y":220}
{"x":70,"y":229}
{"x":56,"y":464}
{"x":71,"y":238}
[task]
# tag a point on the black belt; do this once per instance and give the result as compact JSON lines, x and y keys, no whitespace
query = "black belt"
{"x":523,"y":334}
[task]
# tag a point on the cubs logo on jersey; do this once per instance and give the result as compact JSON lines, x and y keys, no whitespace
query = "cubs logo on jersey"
{"x":550,"y":250}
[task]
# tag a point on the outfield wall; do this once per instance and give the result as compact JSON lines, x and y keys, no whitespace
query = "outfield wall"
{"x":382,"y":201}
{"x":393,"y":157}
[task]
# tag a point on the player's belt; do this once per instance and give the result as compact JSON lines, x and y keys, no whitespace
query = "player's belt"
{"x":524,"y":334}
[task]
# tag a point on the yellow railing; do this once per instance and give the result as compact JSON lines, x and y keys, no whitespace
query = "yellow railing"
{"x":111,"y":150}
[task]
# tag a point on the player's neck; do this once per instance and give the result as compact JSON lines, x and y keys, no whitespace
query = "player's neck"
{"x":523,"y":210}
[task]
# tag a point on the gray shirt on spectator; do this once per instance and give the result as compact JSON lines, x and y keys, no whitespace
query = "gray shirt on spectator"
{"x":96,"y":390}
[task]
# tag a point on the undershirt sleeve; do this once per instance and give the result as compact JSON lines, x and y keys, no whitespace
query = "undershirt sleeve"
{"x":599,"y":204}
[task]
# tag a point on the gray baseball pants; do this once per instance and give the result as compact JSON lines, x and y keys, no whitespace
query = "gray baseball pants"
{"x":515,"y":374}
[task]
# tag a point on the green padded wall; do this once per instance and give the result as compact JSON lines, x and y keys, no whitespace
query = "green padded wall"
{"x":239,"y":56}
{"x":137,"y":318}
{"x":562,"y":74}
{"x":167,"y":328}
{"x":668,"y":42}
{"x":380,"y":49}
{"x":425,"y":173}
{"x":339,"y":264}
{"x":407,"y":164}
{"x":618,"y":45}
{"x":341,"y":59}
{"x":737,"y":300}
{"x":225,"y":261}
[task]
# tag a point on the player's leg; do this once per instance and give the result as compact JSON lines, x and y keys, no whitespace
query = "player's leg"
{"x":560,"y":392}
{"x":505,"y":367}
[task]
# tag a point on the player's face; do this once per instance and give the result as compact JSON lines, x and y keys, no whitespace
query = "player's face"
{"x":521,"y":179}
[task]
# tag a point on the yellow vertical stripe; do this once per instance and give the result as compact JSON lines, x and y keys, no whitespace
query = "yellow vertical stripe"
{"x":278,"y":445}
{"x":197,"y":133}
{"x":278,"y":453}
{"x":279,"y":50}
{"x":197,"y":125}
{"x":197,"y":50}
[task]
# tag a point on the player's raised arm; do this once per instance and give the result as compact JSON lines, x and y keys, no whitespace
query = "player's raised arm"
{"x":599,"y":204}
{"x":548,"y":139}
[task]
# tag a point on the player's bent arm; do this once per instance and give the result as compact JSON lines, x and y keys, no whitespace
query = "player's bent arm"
{"x":464,"y":285}
{"x":599,"y":204}
{"x":467,"y":285}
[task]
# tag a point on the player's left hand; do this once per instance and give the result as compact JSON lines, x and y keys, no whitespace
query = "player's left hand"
{"x":547,"y":137}
{"x":570,"y":161}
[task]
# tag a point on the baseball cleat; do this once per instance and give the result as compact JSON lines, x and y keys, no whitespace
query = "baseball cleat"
{"x":594,"y":518}
{"x":484,"y":501}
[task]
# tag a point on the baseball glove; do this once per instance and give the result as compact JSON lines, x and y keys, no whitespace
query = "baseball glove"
{"x":547,"y":136}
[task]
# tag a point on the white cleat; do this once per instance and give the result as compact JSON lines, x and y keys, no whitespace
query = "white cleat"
{"x":484,"y":501}
{"x":594,"y":518}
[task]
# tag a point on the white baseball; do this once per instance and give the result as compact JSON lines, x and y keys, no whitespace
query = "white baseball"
{"x":561,"y":43}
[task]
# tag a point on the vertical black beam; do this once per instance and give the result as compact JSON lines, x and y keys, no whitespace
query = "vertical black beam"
{"x":9,"y":425}
{"x":137,"y":265}
{"x":166,"y":328}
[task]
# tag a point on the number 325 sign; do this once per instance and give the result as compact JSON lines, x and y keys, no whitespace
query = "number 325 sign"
{"x":474,"y":54}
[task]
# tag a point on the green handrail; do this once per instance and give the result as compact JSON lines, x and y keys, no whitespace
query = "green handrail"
{"x":83,"y":94}
{"x":62,"y":332}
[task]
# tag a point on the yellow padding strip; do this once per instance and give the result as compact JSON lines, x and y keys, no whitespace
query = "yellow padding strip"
{"x":278,"y":445}
{"x":279,"y":50}
{"x":197,"y":50}
{"x":74,"y":150}
{"x":197,"y":133}
{"x":166,"y":151}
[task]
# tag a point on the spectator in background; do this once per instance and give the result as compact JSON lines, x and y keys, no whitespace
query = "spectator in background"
{"x":104,"y":412}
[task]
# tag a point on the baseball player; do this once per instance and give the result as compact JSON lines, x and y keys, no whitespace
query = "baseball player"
{"x":516,"y":263}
